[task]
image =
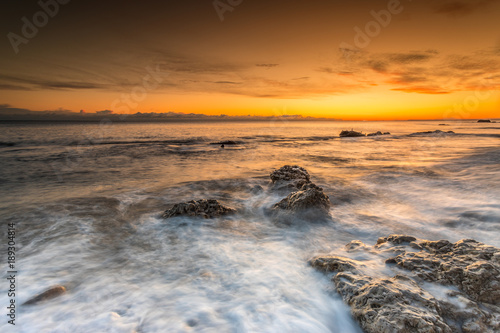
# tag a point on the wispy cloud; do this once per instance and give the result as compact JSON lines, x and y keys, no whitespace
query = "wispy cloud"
{"x":462,"y":7}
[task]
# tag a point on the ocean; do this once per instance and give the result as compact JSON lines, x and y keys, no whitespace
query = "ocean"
{"x":86,"y":200}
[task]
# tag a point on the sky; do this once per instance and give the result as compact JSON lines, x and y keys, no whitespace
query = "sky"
{"x":352,"y":60}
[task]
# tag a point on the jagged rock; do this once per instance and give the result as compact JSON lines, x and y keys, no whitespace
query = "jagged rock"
{"x":436,"y":132}
{"x":401,"y":304}
{"x":472,"y":267}
{"x":46,"y":295}
{"x":204,"y":208}
{"x":484,"y":121}
{"x":309,"y":196}
{"x":378,"y":133}
{"x":289,"y":177}
{"x":288,"y":173}
{"x":350,"y":134}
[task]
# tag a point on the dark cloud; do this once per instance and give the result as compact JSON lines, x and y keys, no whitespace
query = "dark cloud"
{"x":378,"y":66}
{"x":227,"y":82}
{"x":267,"y":65}
{"x":408,"y":58}
{"x":328,"y":70}
{"x":29,"y":83}
{"x":460,"y":8}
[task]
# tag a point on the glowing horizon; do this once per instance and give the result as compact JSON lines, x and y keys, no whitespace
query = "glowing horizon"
{"x":366,"y":60}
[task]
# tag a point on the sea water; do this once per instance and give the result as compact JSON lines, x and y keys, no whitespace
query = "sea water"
{"x":86,"y":200}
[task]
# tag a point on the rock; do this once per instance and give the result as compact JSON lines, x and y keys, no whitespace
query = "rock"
{"x":288,"y":173}
{"x":350,"y":134}
{"x":474,"y":268}
{"x":46,"y":295}
{"x":309,"y":196}
{"x":444,"y":125}
{"x":436,"y":132}
{"x":205,"y":208}
{"x":484,"y":121}
{"x":289,"y":177}
{"x":226,"y":142}
{"x":378,"y":133}
{"x":401,"y":303}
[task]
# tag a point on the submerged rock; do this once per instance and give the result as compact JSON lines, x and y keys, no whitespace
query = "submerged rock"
{"x":401,"y":303}
{"x":378,"y":133}
{"x":436,"y":132}
{"x":227,"y":142}
{"x":350,"y":134}
{"x":52,"y":292}
{"x":204,"y":208}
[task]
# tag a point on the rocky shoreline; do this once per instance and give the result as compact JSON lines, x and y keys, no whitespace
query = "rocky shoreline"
{"x":400,"y":284}
{"x":467,"y":271}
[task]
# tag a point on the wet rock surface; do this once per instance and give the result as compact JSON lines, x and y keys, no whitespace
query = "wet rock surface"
{"x":350,"y":134}
{"x":50,"y":293}
{"x":309,"y":196}
{"x":203,"y":208}
{"x":306,"y":201}
{"x":466,"y":273}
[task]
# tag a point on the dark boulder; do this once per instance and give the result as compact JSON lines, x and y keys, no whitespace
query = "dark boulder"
{"x":350,"y":134}
{"x":378,"y":133}
{"x":51,"y":293}
{"x":203,"y":208}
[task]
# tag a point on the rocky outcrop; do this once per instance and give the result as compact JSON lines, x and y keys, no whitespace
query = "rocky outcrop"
{"x":203,"y":208}
{"x":306,"y":201}
{"x":484,"y":121}
{"x":403,"y":302}
{"x":309,"y":196}
{"x":290,"y":172}
{"x":350,"y":134}
{"x":51,"y":293}
{"x":436,"y":132}
{"x":472,"y":267}
{"x":289,"y":177}
{"x":378,"y":133}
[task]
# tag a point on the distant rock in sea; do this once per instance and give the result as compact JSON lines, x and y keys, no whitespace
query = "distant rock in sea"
{"x":227,"y":142}
{"x":436,"y":132}
{"x":350,"y":134}
{"x":50,"y":293}
{"x":378,"y":133}
{"x":203,"y":208}
{"x":484,"y":121}
{"x":462,"y":293}
{"x":444,"y":125}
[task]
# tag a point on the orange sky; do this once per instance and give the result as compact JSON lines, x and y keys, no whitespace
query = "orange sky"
{"x":420,"y":60}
